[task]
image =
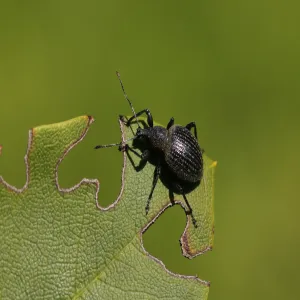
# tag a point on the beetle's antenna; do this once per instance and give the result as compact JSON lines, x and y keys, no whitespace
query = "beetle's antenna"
{"x":116,"y":144}
{"x":126,"y":97}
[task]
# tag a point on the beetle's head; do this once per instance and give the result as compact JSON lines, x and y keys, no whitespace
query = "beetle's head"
{"x":142,"y":132}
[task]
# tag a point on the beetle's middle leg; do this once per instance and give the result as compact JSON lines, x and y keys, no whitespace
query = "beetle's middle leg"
{"x":157,"y":172}
{"x":192,"y":125}
{"x":171,"y":123}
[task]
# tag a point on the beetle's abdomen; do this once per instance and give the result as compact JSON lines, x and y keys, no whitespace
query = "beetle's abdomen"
{"x":184,"y":156}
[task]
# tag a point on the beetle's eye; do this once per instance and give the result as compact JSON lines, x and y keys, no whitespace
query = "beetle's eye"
{"x":138,"y":131}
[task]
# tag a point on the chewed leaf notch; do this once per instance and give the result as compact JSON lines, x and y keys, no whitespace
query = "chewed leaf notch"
{"x":60,"y":243}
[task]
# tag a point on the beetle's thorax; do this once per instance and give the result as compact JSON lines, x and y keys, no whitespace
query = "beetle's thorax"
{"x":157,"y":136}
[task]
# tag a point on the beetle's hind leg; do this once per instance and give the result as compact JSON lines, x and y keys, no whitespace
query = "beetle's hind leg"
{"x":190,"y":212}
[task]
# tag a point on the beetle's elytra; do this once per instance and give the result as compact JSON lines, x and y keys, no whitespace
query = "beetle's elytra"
{"x":174,"y":148}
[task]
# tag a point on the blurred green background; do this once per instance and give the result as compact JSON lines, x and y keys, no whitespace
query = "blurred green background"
{"x":231,"y":66}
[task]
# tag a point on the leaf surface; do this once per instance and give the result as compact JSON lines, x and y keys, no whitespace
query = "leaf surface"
{"x":61,"y":244}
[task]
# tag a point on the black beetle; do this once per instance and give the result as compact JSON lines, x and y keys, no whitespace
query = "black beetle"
{"x":174,"y":148}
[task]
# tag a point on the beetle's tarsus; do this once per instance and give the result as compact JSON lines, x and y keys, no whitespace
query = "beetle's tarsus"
{"x":123,"y":148}
{"x":123,"y":119}
{"x":194,"y":222}
{"x":147,"y":209}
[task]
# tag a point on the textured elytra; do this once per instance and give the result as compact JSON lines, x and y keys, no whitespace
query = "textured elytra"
{"x":184,"y":155}
{"x":60,"y":243}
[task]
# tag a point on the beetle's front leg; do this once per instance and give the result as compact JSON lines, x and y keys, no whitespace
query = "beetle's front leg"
{"x":143,"y":157}
{"x":144,"y":111}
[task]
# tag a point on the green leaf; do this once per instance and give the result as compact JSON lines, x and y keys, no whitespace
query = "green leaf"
{"x":60,"y":243}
